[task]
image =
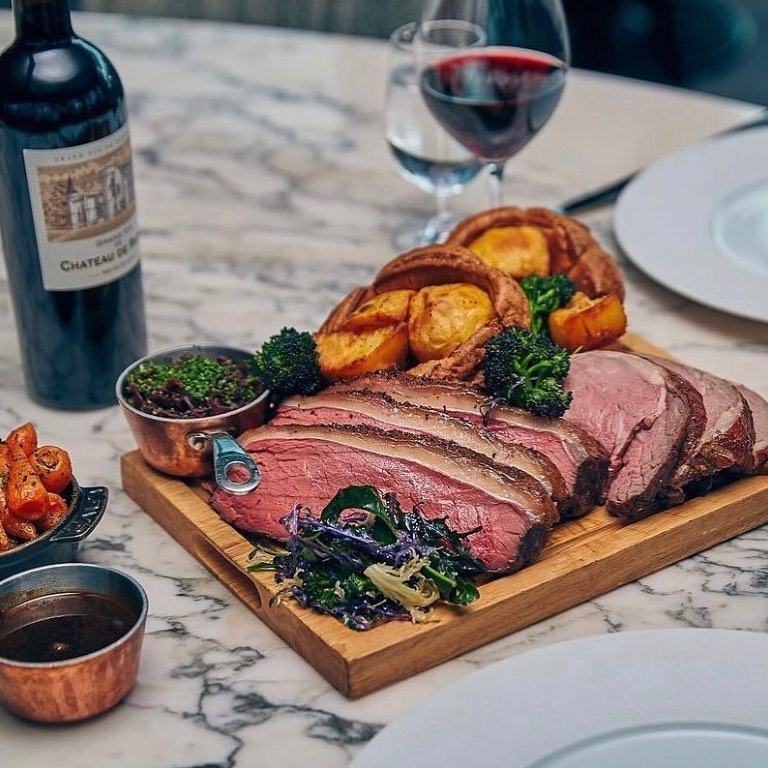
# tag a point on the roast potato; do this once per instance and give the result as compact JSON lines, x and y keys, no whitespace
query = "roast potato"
{"x":343,"y":354}
{"x":442,"y":317}
{"x":572,"y":248}
{"x":586,"y":323}
{"x":519,"y":251}
{"x":383,"y":309}
{"x":419,"y":268}
{"x":441,"y":264}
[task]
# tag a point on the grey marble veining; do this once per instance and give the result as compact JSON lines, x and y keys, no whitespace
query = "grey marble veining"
{"x":265,"y":194}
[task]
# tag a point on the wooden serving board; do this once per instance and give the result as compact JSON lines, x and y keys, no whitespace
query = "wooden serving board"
{"x":583,"y":559}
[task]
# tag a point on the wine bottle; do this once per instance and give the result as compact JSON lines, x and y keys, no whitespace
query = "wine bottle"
{"x":68,"y":211}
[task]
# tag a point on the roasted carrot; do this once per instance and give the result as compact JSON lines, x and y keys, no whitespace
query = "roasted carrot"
{"x":22,"y":440}
{"x":16,"y":527}
{"x":26,"y":495}
{"x":5,"y":467}
{"x":57,"y":511}
{"x":53,"y":466}
{"x":5,"y":542}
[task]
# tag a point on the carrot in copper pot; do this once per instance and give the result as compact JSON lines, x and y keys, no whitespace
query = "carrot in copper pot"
{"x":57,"y":511}
{"x":53,"y":466}
{"x":26,"y":495}
{"x":22,"y":440}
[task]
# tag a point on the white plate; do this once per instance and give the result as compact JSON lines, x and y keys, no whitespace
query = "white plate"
{"x":697,"y":222}
{"x":664,"y":698}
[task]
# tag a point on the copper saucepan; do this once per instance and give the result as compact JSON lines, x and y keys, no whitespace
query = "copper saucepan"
{"x":71,"y":686}
{"x":203,"y":446}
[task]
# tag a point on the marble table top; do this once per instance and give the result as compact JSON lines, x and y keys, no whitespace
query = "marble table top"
{"x":266,"y":192}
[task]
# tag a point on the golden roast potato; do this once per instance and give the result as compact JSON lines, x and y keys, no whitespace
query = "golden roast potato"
{"x":427,"y":267}
{"x":442,"y":317}
{"x":519,"y":251}
{"x":571,"y":247}
{"x":585,"y":323}
{"x":343,"y":354}
{"x":383,"y":309}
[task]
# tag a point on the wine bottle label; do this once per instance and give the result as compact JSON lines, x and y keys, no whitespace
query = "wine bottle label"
{"x":84,"y":210}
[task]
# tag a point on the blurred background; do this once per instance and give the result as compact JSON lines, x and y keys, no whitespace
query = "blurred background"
{"x":715,"y":46}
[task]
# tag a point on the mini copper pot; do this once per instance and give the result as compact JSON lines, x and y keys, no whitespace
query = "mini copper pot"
{"x":197,"y":447}
{"x":81,"y":687}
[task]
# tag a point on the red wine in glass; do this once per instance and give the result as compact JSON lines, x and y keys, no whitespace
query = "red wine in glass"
{"x":494,"y":100}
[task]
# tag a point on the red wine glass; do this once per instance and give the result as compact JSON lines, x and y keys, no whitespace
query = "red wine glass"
{"x":494,"y":99}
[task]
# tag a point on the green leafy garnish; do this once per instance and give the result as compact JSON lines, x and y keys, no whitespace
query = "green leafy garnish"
{"x":365,"y":560}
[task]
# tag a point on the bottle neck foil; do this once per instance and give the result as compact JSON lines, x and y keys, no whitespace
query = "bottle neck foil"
{"x":42,"y":22}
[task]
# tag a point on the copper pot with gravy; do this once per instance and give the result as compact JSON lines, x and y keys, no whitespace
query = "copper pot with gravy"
{"x":70,"y":640}
{"x":197,"y":447}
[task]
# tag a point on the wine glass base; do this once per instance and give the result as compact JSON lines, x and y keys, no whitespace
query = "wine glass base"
{"x":419,"y":231}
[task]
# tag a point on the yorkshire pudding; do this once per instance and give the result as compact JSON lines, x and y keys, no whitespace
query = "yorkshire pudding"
{"x":442,"y":265}
{"x":572,"y":248}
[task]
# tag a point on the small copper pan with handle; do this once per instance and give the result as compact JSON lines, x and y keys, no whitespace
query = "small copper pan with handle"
{"x":202,"y":446}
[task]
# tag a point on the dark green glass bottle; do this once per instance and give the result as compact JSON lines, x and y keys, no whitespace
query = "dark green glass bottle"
{"x":68,"y":211}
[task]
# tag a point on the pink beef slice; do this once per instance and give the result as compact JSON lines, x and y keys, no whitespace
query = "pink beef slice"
{"x":759,"y":408}
{"x":728,"y":438}
{"x":506,"y":514}
{"x":379,"y":410}
{"x":641,"y":414}
{"x":579,"y":458}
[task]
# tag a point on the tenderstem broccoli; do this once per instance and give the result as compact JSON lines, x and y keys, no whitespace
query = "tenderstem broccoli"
{"x":526,"y":370}
{"x":287,"y":364}
{"x":545,"y":295}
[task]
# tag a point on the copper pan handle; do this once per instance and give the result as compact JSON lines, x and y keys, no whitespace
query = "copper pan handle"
{"x":229,"y":455}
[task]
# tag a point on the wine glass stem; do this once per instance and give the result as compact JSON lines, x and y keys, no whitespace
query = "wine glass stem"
{"x":437,"y":227}
{"x":497,"y":176}
{"x":441,"y":203}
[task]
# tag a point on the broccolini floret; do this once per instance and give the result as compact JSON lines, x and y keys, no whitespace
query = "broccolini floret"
{"x":526,"y":370}
{"x":545,"y":295}
{"x":287,"y":364}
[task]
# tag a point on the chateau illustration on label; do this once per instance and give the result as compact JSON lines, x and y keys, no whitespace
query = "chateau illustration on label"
{"x":87,"y":198}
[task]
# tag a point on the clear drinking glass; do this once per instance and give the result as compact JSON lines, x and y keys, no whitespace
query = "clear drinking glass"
{"x":494,"y":98}
{"x":426,"y":154}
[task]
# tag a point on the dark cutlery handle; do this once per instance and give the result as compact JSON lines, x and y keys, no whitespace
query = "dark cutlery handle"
{"x":602,"y":196}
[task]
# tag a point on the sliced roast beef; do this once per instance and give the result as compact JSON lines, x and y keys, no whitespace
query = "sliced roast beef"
{"x":644,"y":415}
{"x":759,"y":408}
{"x":379,"y":410}
{"x":505,"y":513}
{"x":728,"y":436}
{"x":580,"y":459}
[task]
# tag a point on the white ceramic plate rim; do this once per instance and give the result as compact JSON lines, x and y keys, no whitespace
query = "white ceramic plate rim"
{"x":527,"y":707}
{"x":663,"y":222}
